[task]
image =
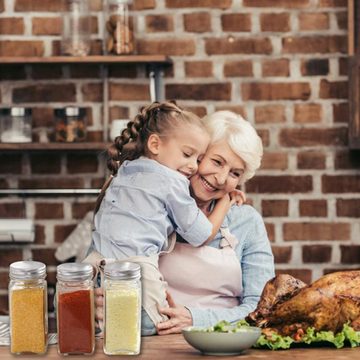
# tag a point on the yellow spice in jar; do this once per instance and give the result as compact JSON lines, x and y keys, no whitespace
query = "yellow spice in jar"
{"x":122,"y":323}
{"x":28,"y":332}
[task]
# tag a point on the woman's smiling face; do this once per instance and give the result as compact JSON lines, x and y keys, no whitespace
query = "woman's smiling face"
{"x":219,"y":173}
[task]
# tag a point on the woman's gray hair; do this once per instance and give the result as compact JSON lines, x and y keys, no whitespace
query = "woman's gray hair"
{"x":241,"y":137}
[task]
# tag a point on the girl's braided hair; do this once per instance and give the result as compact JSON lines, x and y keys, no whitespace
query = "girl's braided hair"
{"x":157,"y":118}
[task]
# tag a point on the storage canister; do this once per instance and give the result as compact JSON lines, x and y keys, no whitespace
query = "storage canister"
{"x":75,"y":309}
{"x":15,"y":125}
{"x":70,"y":124}
{"x":28,"y":307}
{"x":122,"y":320}
{"x":119,"y":28}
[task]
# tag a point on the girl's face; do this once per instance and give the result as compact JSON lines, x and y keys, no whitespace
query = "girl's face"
{"x":181,"y":150}
{"x":219,"y":173}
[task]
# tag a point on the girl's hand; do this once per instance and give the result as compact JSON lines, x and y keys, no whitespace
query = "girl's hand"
{"x":180,"y":317}
{"x":99,"y":306}
{"x":237,"y":197}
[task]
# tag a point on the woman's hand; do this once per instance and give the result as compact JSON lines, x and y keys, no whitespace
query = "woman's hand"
{"x":237,"y":197}
{"x":180,"y":317}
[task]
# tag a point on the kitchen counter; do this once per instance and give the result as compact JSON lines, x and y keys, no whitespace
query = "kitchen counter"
{"x":175,"y":347}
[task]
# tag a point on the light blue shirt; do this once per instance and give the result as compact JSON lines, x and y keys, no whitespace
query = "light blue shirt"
{"x":143,"y":205}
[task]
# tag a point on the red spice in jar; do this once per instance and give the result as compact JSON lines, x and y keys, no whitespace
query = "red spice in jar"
{"x":75,"y":322}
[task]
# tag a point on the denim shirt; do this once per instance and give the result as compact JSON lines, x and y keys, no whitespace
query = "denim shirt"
{"x":256,"y":261}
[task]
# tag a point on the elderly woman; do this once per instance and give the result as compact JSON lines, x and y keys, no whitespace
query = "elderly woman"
{"x":222,"y":280}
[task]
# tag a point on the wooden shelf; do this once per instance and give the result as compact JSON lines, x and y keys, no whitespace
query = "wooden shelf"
{"x":84,"y":146}
{"x":91,"y":59}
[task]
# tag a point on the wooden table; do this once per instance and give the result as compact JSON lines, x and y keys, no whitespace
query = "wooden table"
{"x":174,"y":347}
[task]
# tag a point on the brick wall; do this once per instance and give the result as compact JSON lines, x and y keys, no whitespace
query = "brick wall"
{"x":282,"y":64}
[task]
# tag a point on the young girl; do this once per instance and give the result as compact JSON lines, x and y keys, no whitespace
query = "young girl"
{"x":148,"y":197}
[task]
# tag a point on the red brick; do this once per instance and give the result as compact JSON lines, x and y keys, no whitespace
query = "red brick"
{"x":302,"y":274}
{"x":46,"y":26}
{"x":282,"y":184}
{"x":93,"y":92}
{"x":275,"y":22}
{"x":344,"y":66}
{"x":2,"y":7}
{"x":159,"y":23}
{"x":315,"y":44}
{"x":348,"y":207}
{"x":265,"y":136}
{"x":45,"y":93}
{"x":332,"y":184}
{"x":119,"y":112}
{"x":21,"y":48}
{"x":4,"y":184}
{"x":166,"y":47}
{"x":46,"y":71}
{"x":42,"y":117}
{"x":39,"y":234}
{"x":307,"y":113}
{"x":212,"y":91}
{"x":49,"y":211}
{"x":341,"y":19}
{"x":61,"y":232}
{"x":45,"y":163}
{"x":36,"y":5}
{"x":82,"y":163}
{"x":313,"y":208}
{"x":238,"y":68}
{"x":276,"y":208}
{"x":231,"y":45}
{"x":311,"y":160}
{"x":79,"y":210}
{"x":316,"y":254}
{"x":198,"y":69}
{"x":237,"y":109}
{"x":314,"y":21}
{"x":12,"y":210}
{"x":223,"y":4}
{"x":277,"y":67}
{"x":51,"y":183}
{"x":97,"y":183}
{"x":316,"y":231}
{"x":333,"y":3}
{"x":236,"y":22}
{"x":341,"y":112}
{"x":313,"y":137}
{"x":12,"y":72}
{"x":270,"y":229}
{"x":274,"y":161}
{"x":10,"y":163}
{"x":275,"y":91}
{"x":197,"y":22}
{"x":333,"y":89}
{"x":4,"y":280}
{"x":144,"y":4}
{"x":314,"y":67}
{"x":347,"y":160}
{"x":46,"y":256}
{"x":4,"y":304}
{"x":131,"y":92}
{"x":11,"y":26}
{"x":350,"y":254}
{"x":8,"y":256}
{"x":96,"y":5}
{"x":269,"y":114}
{"x":94,"y":136}
{"x":86,"y":71}
{"x":282,"y":254}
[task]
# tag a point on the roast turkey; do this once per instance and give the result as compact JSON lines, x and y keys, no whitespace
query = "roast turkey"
{"x":288,"y":305}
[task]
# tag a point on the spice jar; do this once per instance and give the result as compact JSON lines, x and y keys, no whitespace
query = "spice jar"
{"x":28,"y":307}
{"x":119,"y":28}
{"x":70,"y":124}
{"x":15,"y":125}
{"x":75,"y":39}
{"x":75,"y":309}
{"x":122,"y":320}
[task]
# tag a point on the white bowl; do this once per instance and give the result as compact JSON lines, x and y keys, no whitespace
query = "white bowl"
{"x":221,"y":343}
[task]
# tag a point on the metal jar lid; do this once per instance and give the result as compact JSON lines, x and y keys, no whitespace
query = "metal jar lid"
{"x":16,"y":111}
{"x":122,"y":271}
{"x":27,"y":270}
{"x":74,"y":272}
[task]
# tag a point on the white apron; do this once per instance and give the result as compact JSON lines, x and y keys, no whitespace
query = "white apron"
{"x":204,"y":277}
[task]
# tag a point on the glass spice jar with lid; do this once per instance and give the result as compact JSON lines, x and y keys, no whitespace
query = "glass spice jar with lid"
{"x":70,"y":124}
{"x":15,"y":125}
{"x":75,"y":309}
{"x":122,"y":315}
{"x":28,"y":307}
{"x":119,"y":28}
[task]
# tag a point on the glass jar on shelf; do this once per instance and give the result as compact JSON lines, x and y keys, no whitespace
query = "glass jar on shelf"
{"x":119,"y":28}
{"x":15,"y":125}
{"x":75,"y":39}
{"x":70,"y":124}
